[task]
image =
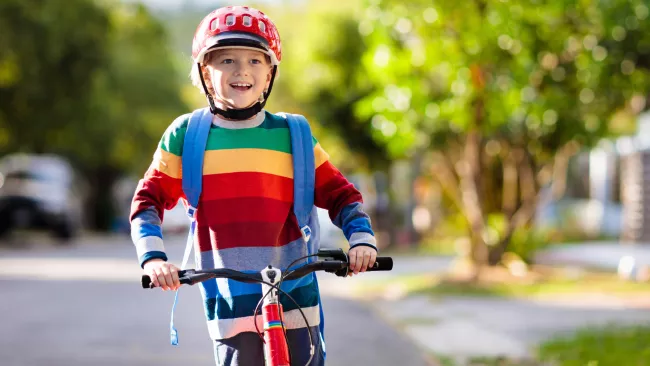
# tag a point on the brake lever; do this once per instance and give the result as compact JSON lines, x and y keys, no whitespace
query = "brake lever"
{"x":335,"y":254}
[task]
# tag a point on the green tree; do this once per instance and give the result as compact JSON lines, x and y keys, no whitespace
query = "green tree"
{"x":499,"y":94}
{"x":96,"y":84}
{"x":49,"y":54}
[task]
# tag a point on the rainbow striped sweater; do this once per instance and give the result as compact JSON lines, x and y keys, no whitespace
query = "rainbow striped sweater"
{"x":245,"y":218}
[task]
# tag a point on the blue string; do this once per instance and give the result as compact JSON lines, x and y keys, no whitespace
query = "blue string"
{"x":186,"y":256}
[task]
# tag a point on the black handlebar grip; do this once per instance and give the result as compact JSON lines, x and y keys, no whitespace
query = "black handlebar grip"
{"x":382,"y":264}
{"x":146,"y":282}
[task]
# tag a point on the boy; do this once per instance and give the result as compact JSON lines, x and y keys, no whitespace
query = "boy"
{"x":244,"y":219}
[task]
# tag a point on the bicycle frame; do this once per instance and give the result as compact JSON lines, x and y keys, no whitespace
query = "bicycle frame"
{"x":276,"y":352}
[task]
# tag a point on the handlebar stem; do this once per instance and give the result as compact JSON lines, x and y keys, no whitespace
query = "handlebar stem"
{"x":271,"y":275}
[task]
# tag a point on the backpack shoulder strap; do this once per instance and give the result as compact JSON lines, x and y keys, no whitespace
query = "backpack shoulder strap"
{"x":304,"y":181}
{"x":304,"y":171}
{"x":196,"y":137}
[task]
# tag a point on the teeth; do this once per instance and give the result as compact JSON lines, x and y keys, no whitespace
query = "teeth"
{"x":241,"y":84}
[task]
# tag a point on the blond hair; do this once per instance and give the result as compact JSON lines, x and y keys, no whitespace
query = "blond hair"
{"x":195,"y":77}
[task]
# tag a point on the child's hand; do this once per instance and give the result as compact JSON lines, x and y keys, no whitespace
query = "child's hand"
{"x":361,"y":258}
{"x":163,"y":274}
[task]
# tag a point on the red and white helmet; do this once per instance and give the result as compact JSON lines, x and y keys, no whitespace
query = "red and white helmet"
{"x":237,"y":27}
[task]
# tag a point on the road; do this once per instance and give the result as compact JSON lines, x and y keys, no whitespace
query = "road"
{"x":82,"y":305}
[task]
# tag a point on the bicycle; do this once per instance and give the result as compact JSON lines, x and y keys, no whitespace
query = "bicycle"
{"x":276,"y":349}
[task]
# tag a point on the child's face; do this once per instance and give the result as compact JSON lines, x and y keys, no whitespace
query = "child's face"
{"x":239,"y":76}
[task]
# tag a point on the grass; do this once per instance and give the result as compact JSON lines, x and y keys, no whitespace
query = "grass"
{"x":607,"y":346}
{"x":485,"y":361}
{"x":553,"y":284}
{"x":501,"y":361}
{"x":445,"y":360}
{"x":596,"y":346}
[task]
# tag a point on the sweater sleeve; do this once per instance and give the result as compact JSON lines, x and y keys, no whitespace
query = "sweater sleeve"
{"x":159,"y":190}
{"x":343,"y":201}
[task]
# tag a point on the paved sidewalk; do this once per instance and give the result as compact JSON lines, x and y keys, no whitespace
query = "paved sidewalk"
{"x":464,"y":327}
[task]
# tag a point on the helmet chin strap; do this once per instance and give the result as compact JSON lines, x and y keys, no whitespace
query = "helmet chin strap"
{"x":233,"y":113}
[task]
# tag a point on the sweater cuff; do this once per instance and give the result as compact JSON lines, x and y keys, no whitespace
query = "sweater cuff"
{"x":152,"y":255}
{"x":364,"y":245}
{"x":363,"y":238}
{"x":150,"y":247}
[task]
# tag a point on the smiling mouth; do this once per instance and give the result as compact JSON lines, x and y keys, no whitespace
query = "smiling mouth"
{"x":241,"y":86}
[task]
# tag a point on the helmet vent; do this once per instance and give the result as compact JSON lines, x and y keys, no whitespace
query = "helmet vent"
{"x":248,"y":21}
{"x":214,"y":24}
{"x":262,"y":26}
{"x":230,"y":20}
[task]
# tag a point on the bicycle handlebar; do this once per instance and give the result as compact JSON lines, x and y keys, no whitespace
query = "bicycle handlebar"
{"x":336,"y":266}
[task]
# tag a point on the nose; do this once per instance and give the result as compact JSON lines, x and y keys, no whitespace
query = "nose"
{"x":241,"y":68}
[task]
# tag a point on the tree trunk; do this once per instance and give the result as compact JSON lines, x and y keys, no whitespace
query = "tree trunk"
{"x":510,"y":187}
{"x":469,"y":171}
{"x":471,"y":174}
{"x":528,"y":201}
{"x":522,"y":217}
{"x":561,"y":169}
{"x":530,"y":182}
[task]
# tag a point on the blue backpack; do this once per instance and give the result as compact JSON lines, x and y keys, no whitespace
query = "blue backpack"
{"x":304,"y":176}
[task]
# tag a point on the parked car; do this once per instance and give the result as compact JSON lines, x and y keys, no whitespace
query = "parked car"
{"x":39,"y":192}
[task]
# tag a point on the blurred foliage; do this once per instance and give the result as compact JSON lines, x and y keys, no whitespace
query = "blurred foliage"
{"x":90,"y":82}
{"x":603,"y":346}
{"x":139,"y":94}
{"x":546,"y":72}
{"x":450,"y":237}
{"x":526,"y":242}
{"x":496,"y":92}
{"x":93,"y":83}
{"x":49,"y":56}
{"x":320,"y":76}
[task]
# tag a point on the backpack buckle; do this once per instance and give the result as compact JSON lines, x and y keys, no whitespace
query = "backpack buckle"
{"x":191,"y":212}
{"x":306,"y":233}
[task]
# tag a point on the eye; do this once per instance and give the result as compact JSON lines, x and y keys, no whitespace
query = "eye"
{"x":227,"y":61}
{"x":256,"y":61}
